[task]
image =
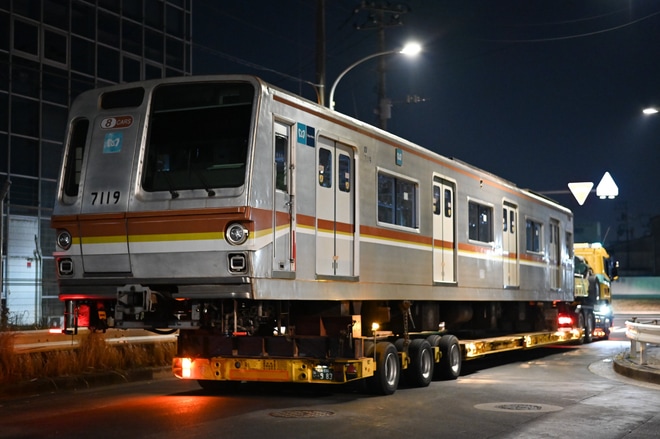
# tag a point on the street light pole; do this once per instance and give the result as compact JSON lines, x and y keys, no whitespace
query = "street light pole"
{"x":409,"y":49}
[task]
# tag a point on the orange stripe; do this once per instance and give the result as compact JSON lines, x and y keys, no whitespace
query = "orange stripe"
{"x":395,"y":234}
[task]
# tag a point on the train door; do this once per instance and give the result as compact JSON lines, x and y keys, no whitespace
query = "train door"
{"x":283,"y":205}
{"x":555,"y":255}
{"x":335,"y":209}
{"x":106,"y":193}
{"x":510,"y":259}
{"x":444,"y":231}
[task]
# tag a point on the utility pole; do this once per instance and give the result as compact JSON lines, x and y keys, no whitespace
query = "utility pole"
{"x":381,"y":17}
{"x":320,"y":51}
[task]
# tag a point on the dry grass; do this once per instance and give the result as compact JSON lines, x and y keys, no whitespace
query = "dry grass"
{"x":93,"y":355}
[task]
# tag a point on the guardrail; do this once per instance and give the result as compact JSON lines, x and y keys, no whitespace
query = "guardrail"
{"x":44,"y":340}
{"x":642,"y":334}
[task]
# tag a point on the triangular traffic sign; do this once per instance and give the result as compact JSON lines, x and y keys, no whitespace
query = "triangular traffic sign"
{"x":581,"y":190}
{"x":607,"y":188}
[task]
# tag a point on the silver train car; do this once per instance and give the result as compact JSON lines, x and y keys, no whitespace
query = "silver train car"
{"x":252,"y":220}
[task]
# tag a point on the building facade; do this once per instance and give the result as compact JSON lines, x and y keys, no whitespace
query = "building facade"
{"x":50,"y":52}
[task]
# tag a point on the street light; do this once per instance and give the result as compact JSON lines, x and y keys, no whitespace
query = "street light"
{"x":650,"y":110}
{"x":410,"y":49}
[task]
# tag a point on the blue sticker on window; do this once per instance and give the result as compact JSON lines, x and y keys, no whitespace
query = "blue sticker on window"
{"x":306,"y":134}
{"x":112,"y":142}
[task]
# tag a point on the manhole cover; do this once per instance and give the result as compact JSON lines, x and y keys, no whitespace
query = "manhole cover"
{"x":302,"y":414}
{"x":519,"y":407}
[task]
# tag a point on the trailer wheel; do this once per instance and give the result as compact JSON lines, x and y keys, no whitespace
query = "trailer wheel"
{"x":589,"y":325}
{"x":449,"y":367}
{"x":388,"y":369}
{"x":420,"y":371}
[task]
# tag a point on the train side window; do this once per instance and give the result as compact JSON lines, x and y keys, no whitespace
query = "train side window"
{"x":512,"y":227}
{"x":74,"y":157}
{"x":448,"y":203}
{"x":344,"y":173}
{"x":325,"y":168}
{"x":397,"y":201}
{"x":533,"y":235}
{"x":480,"y":222}
{"x":281,"y":162}
{"x":505,"y":220}
{"x":436,"y":200}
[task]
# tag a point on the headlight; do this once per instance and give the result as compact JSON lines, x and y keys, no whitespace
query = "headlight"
{"x":236,"y":234}
{"x":64,"y":240}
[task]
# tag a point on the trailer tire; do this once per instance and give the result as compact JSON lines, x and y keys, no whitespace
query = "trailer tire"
{"x":420,"y":371}
{"x":449,"y":367}
{"x":589,"y":325}
{"x":388,"y":369}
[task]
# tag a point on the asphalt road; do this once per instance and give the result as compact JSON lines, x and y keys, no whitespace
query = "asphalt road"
{"x":551,"y":393}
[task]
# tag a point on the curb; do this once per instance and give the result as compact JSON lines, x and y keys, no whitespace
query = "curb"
{"x":625,"y":366}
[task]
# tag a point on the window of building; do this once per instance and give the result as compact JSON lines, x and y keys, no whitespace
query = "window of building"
{"x":153,"y":13}
{"x":25,"y":77}
{"x":85,"y":58}
{"x":28,"y":8}
{"x":108,"y":64}
{"x":534,"y":236}
{"x":153,"y":45}
{"x":57,"y":13}
{"x":4,"y":103}
{"x":51,"y":155}
{"x":152,"y":71}
{"x":4,"y":153}
{"x":55,"y":47}
{"x":397,"y":200}
{"x":174,"y":21}
{"x":54,"y":121}
{"x":174,"y":52}
{"x":24,"y":192}
{"x":108,"y":29}
{"x":55,"y":85}
{"x":131,"y":69}
{"x":131,"y":37}
{"x":25,"y":116}
{"x":83,"y":20}
{"x":133,"y":9}
{"x":480,"y":222}
{"x":26,"y":37}
{"x":23,"y":156}
{"x":4,"y":31}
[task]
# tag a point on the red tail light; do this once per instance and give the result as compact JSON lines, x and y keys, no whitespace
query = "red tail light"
{"x":565,"y":320}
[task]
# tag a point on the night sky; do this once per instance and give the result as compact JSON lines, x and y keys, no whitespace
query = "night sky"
{"x":542,"y":93}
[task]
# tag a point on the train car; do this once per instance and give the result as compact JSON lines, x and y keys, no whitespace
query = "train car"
{"x":288,"y":242}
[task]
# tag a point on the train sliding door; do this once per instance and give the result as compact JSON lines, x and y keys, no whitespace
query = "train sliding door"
{"x":510,"y":259}
{"x":555,"y":256}
{"x":444,"y":231}
{"x":283,"y":205}
{"x":335,"y":209}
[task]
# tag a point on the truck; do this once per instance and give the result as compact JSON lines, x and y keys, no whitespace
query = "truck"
{"x":595,"y":271}
{"x":286,"y":242}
